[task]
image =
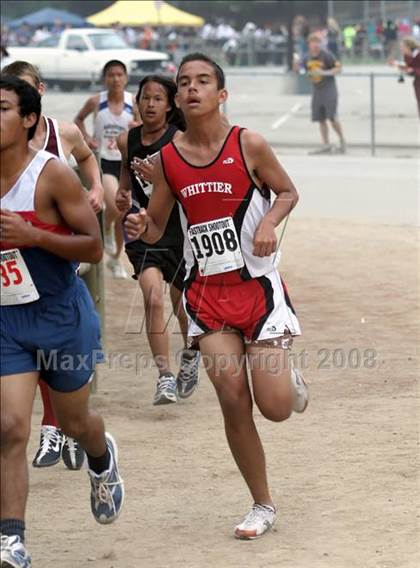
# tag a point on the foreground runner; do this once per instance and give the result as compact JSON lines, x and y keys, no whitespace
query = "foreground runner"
{"x":62,"y":140}
{"x":48,"y":320}
{"x":234,"y":297}
{"x":164,"y":260}
{"x":114,"y":112}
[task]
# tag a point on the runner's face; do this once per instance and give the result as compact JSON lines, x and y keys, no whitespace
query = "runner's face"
{"x":198,"y":93}
{"x":153,"y":103}
{"x":13,"y":127}
{"x":115,"y":79}
{"x":40,"y":88}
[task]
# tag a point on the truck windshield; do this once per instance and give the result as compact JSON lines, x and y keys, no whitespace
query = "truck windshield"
{"x":107,"y":41}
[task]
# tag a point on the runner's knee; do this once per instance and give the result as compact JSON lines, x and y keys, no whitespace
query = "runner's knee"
{"x":154,"y":301}
{"x":74,"y":426}
{"x":15,"y":430}
{"x":276,"y":411}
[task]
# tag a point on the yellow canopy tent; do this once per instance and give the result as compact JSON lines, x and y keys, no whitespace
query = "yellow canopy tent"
{"x":144,"y":12}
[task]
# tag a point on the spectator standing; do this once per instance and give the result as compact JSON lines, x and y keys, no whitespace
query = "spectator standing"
{"x":321,"y":67}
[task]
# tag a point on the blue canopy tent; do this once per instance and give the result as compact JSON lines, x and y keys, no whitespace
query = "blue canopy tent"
{"x":47,"y":17}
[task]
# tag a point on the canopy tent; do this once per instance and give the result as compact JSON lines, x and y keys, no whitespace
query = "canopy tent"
{"x":48,"y":17}
{"x":144,"y":12}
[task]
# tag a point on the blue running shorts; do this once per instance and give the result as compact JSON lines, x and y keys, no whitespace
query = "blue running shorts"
{"x":56,"y":335}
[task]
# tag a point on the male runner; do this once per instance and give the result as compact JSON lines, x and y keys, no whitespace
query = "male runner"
{"x":48,"y":321}
{"x":233,"y":294}
{"x":114,"y":112}
{"x":63,"y":140}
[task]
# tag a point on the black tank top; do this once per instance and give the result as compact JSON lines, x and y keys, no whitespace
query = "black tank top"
{"x":141,"y":190}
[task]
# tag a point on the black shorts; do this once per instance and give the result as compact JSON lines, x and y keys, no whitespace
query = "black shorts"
{"x":111,"y":167}
{"x":169,"y":260}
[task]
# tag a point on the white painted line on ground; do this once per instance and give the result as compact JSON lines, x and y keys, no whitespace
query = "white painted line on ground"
{"x":286,"y":116}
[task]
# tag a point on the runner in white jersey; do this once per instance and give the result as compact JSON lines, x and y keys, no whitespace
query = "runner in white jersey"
{"x":114,"y":112}
{"x":62,"y":140}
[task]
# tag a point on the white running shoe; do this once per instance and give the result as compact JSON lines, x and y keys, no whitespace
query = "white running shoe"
{"x":13,"y":553}
{"x":117,"y":269}
{"x":300,"y":390}
{"x":166,"y":390}
{"x":110,"y":245}
{"x":259,"y":520}
{"x":50,"y":444}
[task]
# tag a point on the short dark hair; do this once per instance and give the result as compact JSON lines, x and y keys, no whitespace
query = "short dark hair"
{"x":29,"y":98}
{"x":19,"y":68}
{"x":113,"y":63}
{"x":218,"y":71}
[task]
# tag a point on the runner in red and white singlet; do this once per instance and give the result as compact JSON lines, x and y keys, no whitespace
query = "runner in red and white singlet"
{"x":238,"y":307}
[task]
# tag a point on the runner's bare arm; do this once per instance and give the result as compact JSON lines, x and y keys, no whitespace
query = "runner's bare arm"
{"x":88,"y":108}
{"x":123,"y":196}
{"x":136,"y":114}
{"x":61,"y":189}
{"x":151,"y":224}
{"x":267,"y":171}
{"x":88,"y":165}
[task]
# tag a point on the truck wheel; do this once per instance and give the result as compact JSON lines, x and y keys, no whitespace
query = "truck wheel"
{"x":66,"y":86}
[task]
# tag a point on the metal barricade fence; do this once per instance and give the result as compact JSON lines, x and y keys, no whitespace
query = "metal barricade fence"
{"x":375,"y":110}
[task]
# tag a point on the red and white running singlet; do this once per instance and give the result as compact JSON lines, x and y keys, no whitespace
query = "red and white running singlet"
{"x":222,"y":209}
{"x":226,"y":285}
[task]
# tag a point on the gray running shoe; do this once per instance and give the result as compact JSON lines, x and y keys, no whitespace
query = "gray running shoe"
{"x":187,"y":379}
{"x":107,"y":488}
{"x":166,"y":390}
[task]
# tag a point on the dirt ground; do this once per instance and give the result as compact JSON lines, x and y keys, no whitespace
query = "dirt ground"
{"x":344,"y":475}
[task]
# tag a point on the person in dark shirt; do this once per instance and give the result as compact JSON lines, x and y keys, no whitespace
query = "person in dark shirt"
{"x":163,"y":261}
{"x":321,"y":67}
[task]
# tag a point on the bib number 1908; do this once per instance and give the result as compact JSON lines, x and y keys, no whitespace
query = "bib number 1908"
{"x":216,"y":246}
{"x":216,"y":243}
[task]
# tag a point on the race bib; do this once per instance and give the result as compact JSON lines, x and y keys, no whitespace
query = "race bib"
{"x":216,"y":246}
{"x":109,"y":147}
{"x":17,"y":286}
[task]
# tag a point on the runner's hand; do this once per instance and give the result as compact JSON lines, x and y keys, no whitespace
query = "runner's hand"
{"x":144,"y":168}
{"x":96,"y":198}
{"x":136,"y":224}
{"x":265,"y":240}
{"x":92,"y":143}
{"x":15,"y":230}
{"x":123,"y":200}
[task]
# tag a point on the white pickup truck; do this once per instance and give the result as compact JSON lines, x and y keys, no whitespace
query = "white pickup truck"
{"x":76,"y":57}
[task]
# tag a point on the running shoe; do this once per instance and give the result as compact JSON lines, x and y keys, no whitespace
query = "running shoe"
{"x":107,"y":489}
{"x":110,"y":245}
{"x":165,"y":390}
{"x":73,"y":454}
{"x":300,"y":394}
{"x":259,"y":520}
{"x":13,"y":553}
{"x":187,"y":379}
{"x":117,"y":269}
{"x":49,"y":451}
